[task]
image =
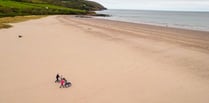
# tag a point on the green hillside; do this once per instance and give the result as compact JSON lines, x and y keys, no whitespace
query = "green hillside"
{"x":14,"y":8}
{"x":76,"y":4}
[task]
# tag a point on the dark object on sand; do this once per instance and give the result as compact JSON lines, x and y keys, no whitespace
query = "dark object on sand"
{"x":68,"y":84}
{"x":19,"y":36}
{"x":102,"y":15}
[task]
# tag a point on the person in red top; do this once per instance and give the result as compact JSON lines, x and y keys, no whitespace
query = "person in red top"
{"x":62,"y":83}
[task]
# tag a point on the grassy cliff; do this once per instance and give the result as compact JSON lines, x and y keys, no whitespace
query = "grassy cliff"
{"x":76,"y":4}
{"x":16,"y":8}
{"x":79,"y":4}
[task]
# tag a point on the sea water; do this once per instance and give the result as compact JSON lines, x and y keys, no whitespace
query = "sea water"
{"x":178,"y":19}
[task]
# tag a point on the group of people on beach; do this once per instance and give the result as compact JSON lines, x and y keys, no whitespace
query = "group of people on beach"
{"x":63,"y":82}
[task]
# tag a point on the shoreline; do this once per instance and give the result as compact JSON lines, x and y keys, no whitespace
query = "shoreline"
{"x":158,"y":25}
{"x":175,"y":19}
{"x":163,"y":26}
{"x":185,"y":36}
{"x":106,"y":61}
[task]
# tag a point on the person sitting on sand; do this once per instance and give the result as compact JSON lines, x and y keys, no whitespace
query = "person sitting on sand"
{"x":62,"y":82}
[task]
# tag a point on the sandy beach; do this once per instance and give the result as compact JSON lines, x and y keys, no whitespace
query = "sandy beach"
{"x":106,"y":61}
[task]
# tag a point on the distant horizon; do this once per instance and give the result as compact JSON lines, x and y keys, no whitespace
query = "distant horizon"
{"x":162,"y":10}
{"x":157,"y":5}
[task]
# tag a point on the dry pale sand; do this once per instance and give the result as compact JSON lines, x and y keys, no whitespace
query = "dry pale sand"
{"x":106,"y":61}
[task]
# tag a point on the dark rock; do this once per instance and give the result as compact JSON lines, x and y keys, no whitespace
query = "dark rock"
{"x":102,"y":15}
{"x":20,"y":36}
